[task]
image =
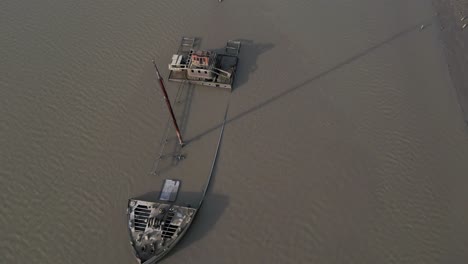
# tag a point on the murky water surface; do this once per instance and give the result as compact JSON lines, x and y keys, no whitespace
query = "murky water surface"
{"x":344,"y":141}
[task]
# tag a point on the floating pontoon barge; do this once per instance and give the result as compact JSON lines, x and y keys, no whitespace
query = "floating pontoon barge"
{"x":203,"y":67}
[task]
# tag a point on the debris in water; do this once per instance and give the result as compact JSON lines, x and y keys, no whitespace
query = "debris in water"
{"x":422,"y":27}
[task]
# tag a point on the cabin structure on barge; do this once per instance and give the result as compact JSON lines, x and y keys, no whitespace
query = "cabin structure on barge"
{"x":208,"y":68}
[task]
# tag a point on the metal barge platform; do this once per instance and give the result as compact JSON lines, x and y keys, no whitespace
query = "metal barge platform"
{"x":202,"y":67}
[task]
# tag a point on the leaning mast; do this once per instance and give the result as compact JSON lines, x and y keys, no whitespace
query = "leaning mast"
{"x":168,"y":103}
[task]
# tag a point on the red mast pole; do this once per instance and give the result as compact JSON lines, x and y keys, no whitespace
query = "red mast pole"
{"x":168,"y":103}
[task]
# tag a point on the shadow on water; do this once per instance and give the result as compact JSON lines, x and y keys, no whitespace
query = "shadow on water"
{"x":215,"y":204}
{"x":170,"y":150}
{"x":355,"y":57}
{"x":248,"y":56}
{"x":209,"y":213}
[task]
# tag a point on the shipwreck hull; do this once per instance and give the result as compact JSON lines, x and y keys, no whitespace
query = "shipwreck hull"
{"x":156,"y":227}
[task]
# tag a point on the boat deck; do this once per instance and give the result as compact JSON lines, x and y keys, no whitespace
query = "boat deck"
{"x":226,"y":61}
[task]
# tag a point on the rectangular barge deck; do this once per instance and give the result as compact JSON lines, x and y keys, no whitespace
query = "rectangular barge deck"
{"x":217,"y":71}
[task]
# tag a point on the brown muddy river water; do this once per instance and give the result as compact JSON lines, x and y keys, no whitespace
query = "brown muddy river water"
{"x":344,"y":141}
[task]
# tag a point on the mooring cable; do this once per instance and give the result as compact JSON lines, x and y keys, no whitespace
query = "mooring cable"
{"x":215,"y":158}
